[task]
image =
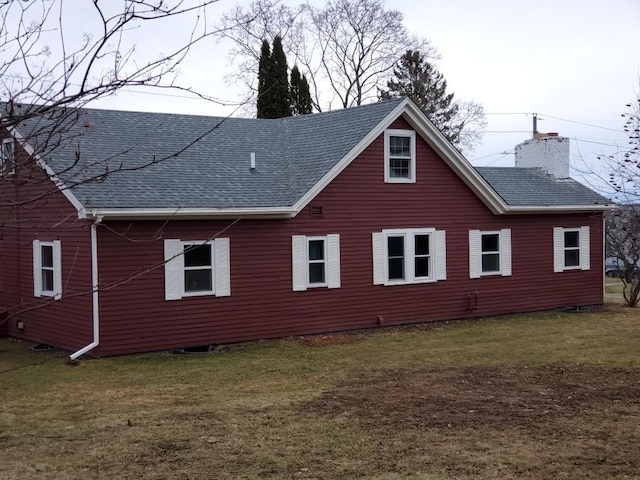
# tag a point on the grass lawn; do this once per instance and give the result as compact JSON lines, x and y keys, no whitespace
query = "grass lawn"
{"x":541,"y":396}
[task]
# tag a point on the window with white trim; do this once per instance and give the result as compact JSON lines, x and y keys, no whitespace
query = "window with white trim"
{"x":399,"y":156}
{"x":571,"y":249}
{"x":315,"y":261}
{"x":489,"y":253}
{"x":409,"y":256}
{"x":7,"y":157}
{"x":47,"y":269}
{"x":196,"y":268}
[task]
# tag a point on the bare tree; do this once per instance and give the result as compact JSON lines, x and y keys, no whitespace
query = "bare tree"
{"x":347,"y":47}
{"x":623,"y":224}
{"x":50,"y":68}
{"x":623,"y":247}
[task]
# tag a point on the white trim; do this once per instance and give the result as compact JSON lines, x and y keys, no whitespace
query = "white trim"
{"x":50,"y":173}
{"x":56,"y":254}
{"x":300,"y":262}
{"x":184,"y":268}
{"x":437,"y":256}
{"x":584,"y":249}
{"x":174,"y":268}
{"x":476,"y":253}
{"x":411,"y":134}
{"x":190,"y":213}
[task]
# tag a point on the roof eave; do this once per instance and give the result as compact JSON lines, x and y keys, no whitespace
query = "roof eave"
{"x":558,"y":209}
{"x":190,"y":213}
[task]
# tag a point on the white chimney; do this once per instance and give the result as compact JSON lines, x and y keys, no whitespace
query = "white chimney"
{"x":252,"y":161}
{"x":547,"y":151}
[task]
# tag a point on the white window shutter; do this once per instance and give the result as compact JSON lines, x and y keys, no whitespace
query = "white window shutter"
{"x":585,"y":250}
{"x":57,"y":270}
{"x":505,"y":251}
{"x":474,"y":253}
{"x":299,"y":262}
{"x":378,"y":258}
{"x":37,"y":272}
{"x":173,"y":258}
{"x":333,"y":262}
{"x":558,"y":249}
{"x":222,"y":267}
{"x":441,"y":255}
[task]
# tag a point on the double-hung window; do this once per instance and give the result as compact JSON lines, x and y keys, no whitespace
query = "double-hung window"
{"x":196,"y":268}
{"x":7,"y":156}
{"x":47,"y":269}
{"x":489,"y":253}
{"x":409,"y":256}
{"x":571,"y":249}
{"x":315,"y":261}
{"x":400,"y":156}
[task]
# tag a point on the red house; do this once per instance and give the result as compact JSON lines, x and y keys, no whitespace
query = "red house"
{"x":137,"y":232}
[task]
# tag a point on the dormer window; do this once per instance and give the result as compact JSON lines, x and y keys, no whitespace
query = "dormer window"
{"x":400,"y":156}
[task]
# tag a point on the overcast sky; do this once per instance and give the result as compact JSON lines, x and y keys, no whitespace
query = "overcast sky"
{"x":575,"y":63}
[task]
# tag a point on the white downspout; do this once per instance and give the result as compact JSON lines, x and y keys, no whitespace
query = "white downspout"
{"x":94,"y":290}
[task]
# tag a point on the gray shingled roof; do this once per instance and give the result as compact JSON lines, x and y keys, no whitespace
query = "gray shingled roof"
{"x":154,"y":160}
{"x":209,"y":157}
{"x":523,"y":187}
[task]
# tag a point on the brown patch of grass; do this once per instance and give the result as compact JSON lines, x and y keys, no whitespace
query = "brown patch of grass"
{"x":537,"y":396}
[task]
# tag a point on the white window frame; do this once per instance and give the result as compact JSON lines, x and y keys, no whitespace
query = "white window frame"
{"x":7,"y":158}
{"x":475,"y":252}
{"x":38,"y":290}
{"x":175,"y":268}
{"x":411,"y":134}
{"x":300,"y":262}
{"x":437,"y":253}
{"x":559,"y":249}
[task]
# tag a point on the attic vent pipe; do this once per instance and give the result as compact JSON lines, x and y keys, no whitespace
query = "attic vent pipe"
{"x":253,"y":161}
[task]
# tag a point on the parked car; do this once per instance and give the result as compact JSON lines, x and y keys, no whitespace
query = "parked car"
{"x":614,"y":268}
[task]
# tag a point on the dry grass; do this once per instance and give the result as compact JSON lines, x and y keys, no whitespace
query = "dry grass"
{"x":532,"y":396}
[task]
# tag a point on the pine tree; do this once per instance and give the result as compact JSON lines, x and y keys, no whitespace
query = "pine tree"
{"x":279,"y":81}
{"x":264,"y":93}
{"x":300,"y":94}
{"x":425,"y":85}
{"x":274,"y":100}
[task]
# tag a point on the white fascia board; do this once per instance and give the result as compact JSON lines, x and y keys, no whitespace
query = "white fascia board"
{"x":434,"y":138}
{"x":350,"y":157}
{"x":50,"y":173}
{"x":455,"y":160}
{"x":558,"y":209}
{"x":190,"y":213}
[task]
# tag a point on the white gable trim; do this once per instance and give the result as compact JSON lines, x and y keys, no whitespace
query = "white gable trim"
{"x":50,"y":173}
{"x":434,"y":138}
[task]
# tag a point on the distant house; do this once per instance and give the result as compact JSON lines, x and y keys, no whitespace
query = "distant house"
{"x":147,"y":231}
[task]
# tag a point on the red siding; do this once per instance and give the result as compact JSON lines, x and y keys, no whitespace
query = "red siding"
{"x":33,"y":208}
{"x":135,"y":317}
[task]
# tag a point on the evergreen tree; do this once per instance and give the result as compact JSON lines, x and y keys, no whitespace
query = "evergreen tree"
{"x":264,"y":97}
{"x":425,"y":85}
{"x":300,"y":94}
{"x":274,"y":100}
{"x":279,"y":78}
